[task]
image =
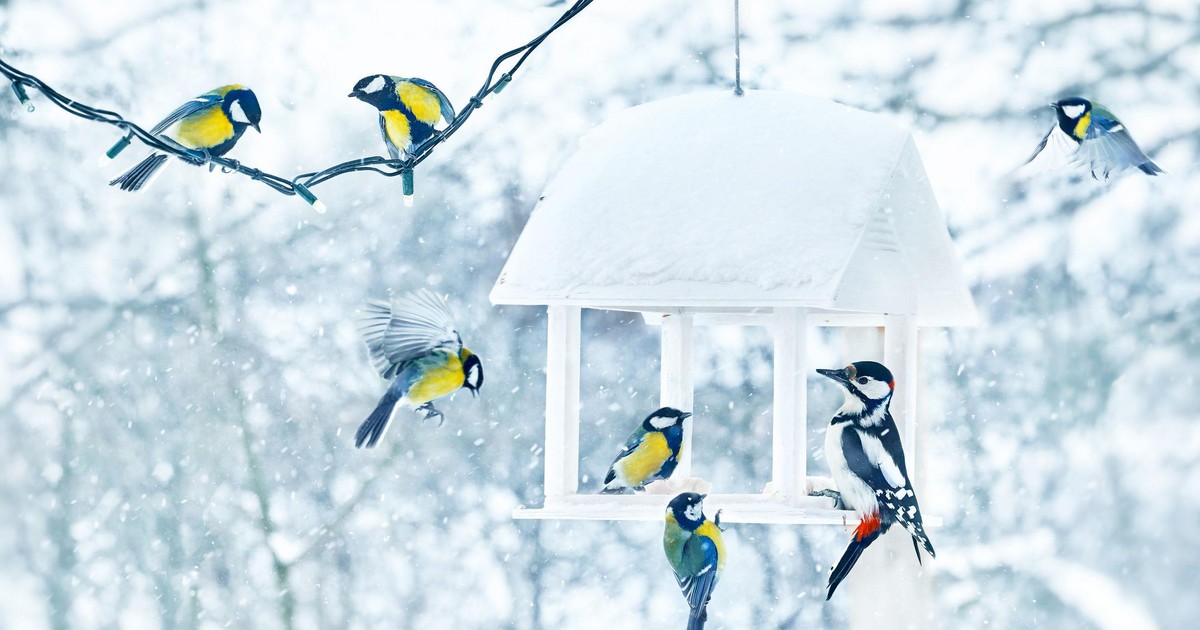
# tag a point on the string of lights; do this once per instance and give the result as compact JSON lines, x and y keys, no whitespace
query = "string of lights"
{"x":302,"y":184}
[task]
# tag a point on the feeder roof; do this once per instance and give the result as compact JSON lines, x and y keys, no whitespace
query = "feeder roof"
{"x":716,"y":201}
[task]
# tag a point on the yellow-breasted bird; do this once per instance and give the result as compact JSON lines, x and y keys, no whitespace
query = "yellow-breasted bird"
{"x":696,"y":552}
{"x":1087,"y":133}
{"x":414,"y":342}
{"x":650,"y":454}
{"x":408,"y":110}
{"x":208,"y":125}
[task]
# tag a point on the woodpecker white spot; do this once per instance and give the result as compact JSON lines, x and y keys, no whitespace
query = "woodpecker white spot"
{"x":1073,"y":111}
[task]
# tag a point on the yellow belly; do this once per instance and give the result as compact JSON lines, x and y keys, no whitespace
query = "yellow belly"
{"x":645,"y":460}
{"x":1081,"y":127}
{"x":205,"y":130}
{"x":423,"y":103}
{"x":711,"y":531}
{"x":396,"y":126}
{"x":438,"y":382}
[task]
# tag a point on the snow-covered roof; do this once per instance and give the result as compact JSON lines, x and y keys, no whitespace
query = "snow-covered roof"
{"x":715,"y":201}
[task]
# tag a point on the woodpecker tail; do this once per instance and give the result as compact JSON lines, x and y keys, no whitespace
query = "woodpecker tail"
{"x":697,"y":617}
{"x":376,"y":425}
{"x":867,"y":531}
{"x":140,"y":176}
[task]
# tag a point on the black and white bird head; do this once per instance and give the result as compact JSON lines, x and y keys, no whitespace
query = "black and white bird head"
{"x":665,"y":418}
{"x":868,"y":386}
{"x":242,"y":108}
{"x":1069,"y":111}
{"x":688,"y":510}
{"x":375,"y":89}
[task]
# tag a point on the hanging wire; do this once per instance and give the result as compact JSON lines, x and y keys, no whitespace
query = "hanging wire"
{"x":300,"y":184}
{"x":737,"y":49}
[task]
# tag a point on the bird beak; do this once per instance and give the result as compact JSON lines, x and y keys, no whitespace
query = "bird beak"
{"x":684,"y":416}
{"x":837,"y":375}
{"x":255,"y":125}
{"x":353,"y":94}
{"x":703,"y":497}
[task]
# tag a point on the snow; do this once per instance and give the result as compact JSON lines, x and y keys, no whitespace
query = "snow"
{"x":713,"y":200}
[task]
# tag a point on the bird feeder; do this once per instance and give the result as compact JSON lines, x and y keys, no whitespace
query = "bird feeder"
{"x":772,"y":209}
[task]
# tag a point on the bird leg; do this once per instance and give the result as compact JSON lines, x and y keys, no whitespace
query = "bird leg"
{"x":838,"y":504}
{"x":431,"y":412}
{"x":717,"y":521}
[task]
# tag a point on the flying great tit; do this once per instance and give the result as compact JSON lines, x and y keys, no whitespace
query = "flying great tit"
{"x":414,"y":342}
{"x":408,"y":110}
{"x":696,"y":552}
{"x":650,"y":454}
{"x":209,"y":125}
{"x":1087,"y":133}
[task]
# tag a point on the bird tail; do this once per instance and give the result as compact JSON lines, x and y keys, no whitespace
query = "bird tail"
{"x":1150,"y":168}
{"x":376,"y":424}
{"x":697,"y":617}
{"x":140,"y":176}
{"x":866,"y":533}
{"x":613,"y":490}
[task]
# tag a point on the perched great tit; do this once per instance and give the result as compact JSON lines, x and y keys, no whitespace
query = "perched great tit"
{"x":408,"y":109}
{"x":1089,"y":134}
{"x":414,"y":342}
{"x":209,"y":125}
{"x":866,"y":458}
{"x":696,"y":552}
{"x":651,"y":452}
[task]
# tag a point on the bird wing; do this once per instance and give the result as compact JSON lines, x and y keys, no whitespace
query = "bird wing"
{"x":1109,"y":144}
{"x":443,"y":102}
{"x":1056,"y":150}
{"x":696,"y":569}
{"x":194,"y":106}
{"x":877,"y":457}
{"x":410,"y":327}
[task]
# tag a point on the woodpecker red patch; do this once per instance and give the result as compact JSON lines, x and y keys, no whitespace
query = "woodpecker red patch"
{"x":869,"y":525}
{"x":892,"y":385}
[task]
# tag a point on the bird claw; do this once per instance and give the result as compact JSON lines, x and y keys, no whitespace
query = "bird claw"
{"x":838,"y":504}
{"x":432,"y":412}
{"x":717,"y":521}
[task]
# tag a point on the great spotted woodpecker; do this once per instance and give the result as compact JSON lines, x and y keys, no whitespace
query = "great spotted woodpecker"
{"x":864,"y":453}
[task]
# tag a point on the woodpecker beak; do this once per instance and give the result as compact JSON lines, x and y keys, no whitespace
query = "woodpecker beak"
{"x":837,"y":375}
{"x":255,"y":125}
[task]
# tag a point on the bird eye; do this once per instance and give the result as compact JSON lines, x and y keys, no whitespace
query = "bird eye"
{"x":862,"y":380}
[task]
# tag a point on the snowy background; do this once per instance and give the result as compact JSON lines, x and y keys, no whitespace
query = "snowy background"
{"x":180,"y":377}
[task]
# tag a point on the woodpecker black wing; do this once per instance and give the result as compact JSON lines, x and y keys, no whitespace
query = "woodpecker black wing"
{"x":876,"y":456}
{"x":409,"y":327}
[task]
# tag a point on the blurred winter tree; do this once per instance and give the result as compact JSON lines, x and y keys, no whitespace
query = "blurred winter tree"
{"x":180,"y":376}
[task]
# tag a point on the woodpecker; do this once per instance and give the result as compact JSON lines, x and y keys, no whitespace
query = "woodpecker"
{"x":862,"y":447}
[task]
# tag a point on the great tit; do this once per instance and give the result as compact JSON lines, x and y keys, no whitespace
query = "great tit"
{"x":864,"y":453}
{"x":650,"y":454}
{"x":1087,"y":133}
{"x":696,"y":552}
{"x":408,"y":110}
{"x":414,"y":342}
{"x":208,"y":125}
